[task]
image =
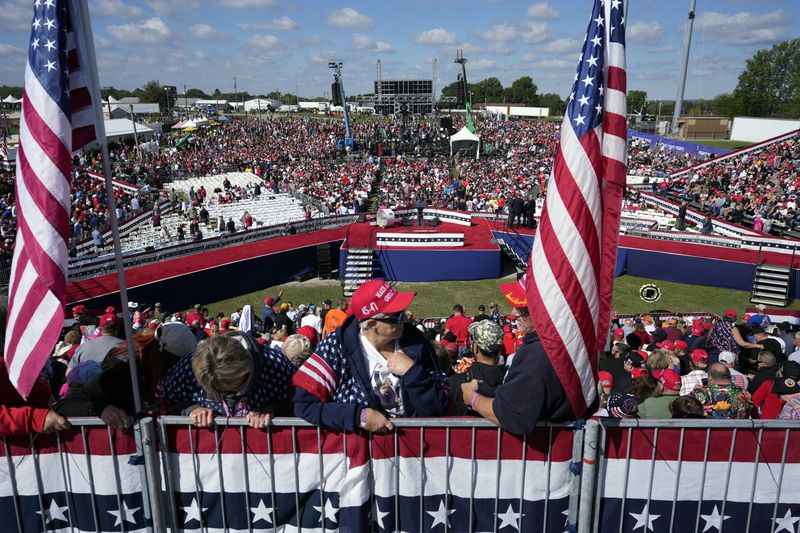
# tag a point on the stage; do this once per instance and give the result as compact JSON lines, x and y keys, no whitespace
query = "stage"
{"x":429,"y":253}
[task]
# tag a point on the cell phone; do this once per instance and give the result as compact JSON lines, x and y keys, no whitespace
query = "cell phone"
{"x":705,"y":382}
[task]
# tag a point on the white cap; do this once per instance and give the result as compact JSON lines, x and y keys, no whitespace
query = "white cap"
{"x":727,"y":358}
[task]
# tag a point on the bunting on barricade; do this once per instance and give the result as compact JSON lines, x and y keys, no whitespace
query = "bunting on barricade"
{"x":84,"y":479}
{"x":699,"y":479}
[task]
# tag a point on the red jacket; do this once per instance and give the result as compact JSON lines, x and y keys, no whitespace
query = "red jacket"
{"x":16,"y":415}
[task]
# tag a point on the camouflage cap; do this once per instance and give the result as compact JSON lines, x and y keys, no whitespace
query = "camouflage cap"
{"x":487,"y":335}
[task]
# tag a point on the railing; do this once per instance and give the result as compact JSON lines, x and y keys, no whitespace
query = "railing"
{"x":214,"y":243}
{"x":451,"y":474}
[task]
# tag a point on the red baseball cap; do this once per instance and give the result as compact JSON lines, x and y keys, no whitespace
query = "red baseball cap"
{"x":268,"y":300}
{"x":700,"y":356}
{"x":516,"y":292}
{"x":668,"y":378}
{"x":111,"y":309}
{"x":78,"y":309}
{"x":378,"y":297}
{"x":310,"y":333}
{"x":605,"y":378}
{"x":108,"y":320}
{"x":639,"y":373}
{"x":666,"y":345}
{"x":619,"y":332}
{"x":681,"y":346}
{"x":731,"y":313}
{"x":697,"y":329}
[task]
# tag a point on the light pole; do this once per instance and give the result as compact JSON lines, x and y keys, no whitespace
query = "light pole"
{"x":337,"y":76}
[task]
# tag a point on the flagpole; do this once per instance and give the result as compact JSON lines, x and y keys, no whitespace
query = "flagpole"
{"x":152,"y":503}
{"x":100,"y":131}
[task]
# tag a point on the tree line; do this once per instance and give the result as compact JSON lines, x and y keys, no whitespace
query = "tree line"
{"x":522,"y":91}
{"x":769,"y":86}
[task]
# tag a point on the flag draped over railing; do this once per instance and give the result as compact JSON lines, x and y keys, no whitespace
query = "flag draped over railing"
{"x":56,"y":119}
{"x":571,"y":271}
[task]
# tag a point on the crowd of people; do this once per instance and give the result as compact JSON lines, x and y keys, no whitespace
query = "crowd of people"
{"x":759,"y":187}
{"x":364,"y":362}
{"x":702,"y":368}
{"x":299,"y":155}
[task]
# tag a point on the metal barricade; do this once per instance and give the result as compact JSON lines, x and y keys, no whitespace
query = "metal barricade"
{"x":456,"y":474}
{"x":691,"y":475}
{"x":88,"y":478}
{"x":451,"y":474}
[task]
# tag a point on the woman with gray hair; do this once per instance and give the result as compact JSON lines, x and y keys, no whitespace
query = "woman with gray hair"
{"x":230,"y":375}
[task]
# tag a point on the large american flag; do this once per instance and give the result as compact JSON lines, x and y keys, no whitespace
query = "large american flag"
{"x":56,"y":119}
{"x":571,"y":271}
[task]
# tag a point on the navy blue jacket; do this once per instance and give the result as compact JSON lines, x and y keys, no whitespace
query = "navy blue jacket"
{"x":336,"y":400}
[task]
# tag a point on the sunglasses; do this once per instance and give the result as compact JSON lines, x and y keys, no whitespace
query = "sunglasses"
{"x":391,"y":319}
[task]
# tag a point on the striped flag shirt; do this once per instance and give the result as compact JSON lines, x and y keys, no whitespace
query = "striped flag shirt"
{"x":571,"y":271}
{"x":56,"y":119}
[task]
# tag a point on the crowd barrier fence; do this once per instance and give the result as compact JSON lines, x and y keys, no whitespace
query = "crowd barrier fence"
{"x":446,"y":474}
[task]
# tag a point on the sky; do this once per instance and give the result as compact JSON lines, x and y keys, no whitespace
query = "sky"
{"x":285,"y":45}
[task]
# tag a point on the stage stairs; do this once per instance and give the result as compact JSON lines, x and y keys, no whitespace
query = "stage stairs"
{"x":360,"y":263}
{"x":771,"y":285}
{"x":516,"y":248}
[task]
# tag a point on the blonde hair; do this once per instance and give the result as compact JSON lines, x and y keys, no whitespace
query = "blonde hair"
{"x":220,"y":363}
{"x":296,"y":348}
{"x":660,"y":359}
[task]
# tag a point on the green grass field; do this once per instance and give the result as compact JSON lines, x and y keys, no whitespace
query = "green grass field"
{"x":730,"y":145}
{"x":437,"y":298}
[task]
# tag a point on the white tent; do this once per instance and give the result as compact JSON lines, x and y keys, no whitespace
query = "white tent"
{"x":465,"y":140}
{"x":122,"y":127}
{"x":262,"y":104}
{"x":9,"y":100}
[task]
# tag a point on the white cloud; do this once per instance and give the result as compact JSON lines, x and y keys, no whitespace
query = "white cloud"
{"x":347,"y":17}
{"x":323,"y":56}
{"x":527,"y":32}
{"x":644,"y":31}
{"x":150,"y":31}
{"x":266,"y":43}
{"x":7,"y":50}
{"x":501,"y":33}
{"x":15,"y":16}
{"x":365,"y":42}
{"x":115,"y":8}
{"x":536,"y":62}
{"x":483,"y":64}
{"x":279,"y":24}
{"x":257,"y":4}
{"x":168,"y":8}
{"x":560,"y":46}
{"x":744,"y":28}
{"x":542,"y":11}
{"x":207,"y":33}
{"x":436,"y":36}
{"x":102,"y":44}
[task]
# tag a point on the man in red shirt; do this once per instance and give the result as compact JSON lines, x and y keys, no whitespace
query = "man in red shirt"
{"x":458,"y":324}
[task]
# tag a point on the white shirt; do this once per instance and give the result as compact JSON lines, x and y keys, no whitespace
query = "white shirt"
{"x":312,"y":320}
{"x":385,"y":385}
{"x":795,"y":356}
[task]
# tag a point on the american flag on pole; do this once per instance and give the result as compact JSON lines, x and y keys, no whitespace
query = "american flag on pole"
{"x":4,"y":146}
{"x":56,"y":119}
{"x":571,"y":271}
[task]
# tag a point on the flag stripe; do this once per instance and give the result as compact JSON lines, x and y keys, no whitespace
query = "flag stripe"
{"x":56,"y":117}
{"x":615,"y":125}
{"x":570,"y":273}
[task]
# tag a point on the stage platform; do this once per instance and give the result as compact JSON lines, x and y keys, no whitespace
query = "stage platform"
{"x":479,"y":257}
